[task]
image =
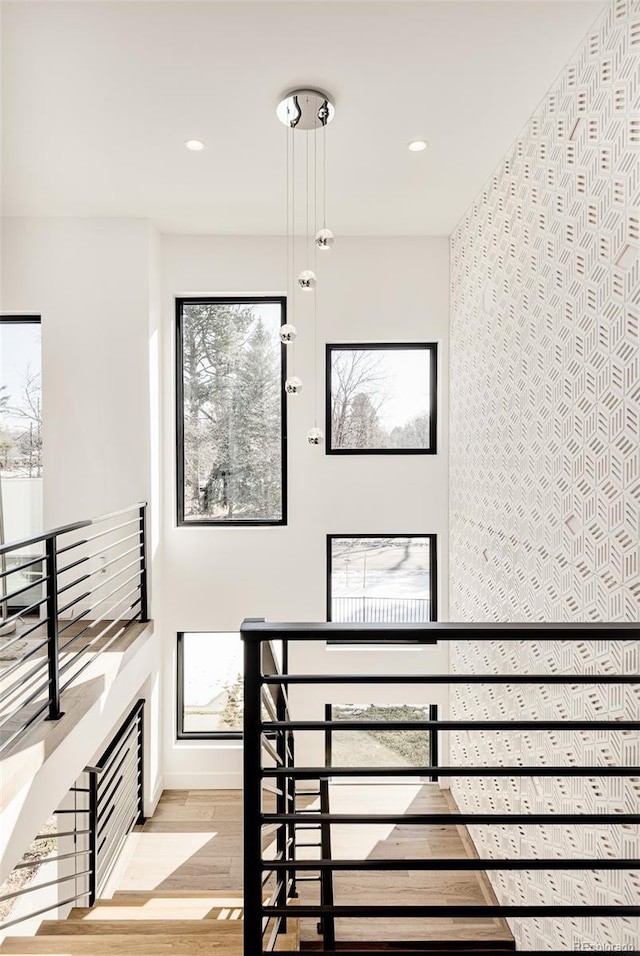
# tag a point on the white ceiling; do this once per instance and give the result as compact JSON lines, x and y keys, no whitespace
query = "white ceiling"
{"x":99,"y":97}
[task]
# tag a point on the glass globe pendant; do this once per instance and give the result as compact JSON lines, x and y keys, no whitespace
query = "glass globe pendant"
{"x":307,"y":280}
{"x":288,"y":334}
{"x":315,"y":436}
{"x":293,"y":385}
{"x":325,"y":239}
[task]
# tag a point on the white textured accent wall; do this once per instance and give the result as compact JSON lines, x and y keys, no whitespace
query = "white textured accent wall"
{"x":545,"y":469}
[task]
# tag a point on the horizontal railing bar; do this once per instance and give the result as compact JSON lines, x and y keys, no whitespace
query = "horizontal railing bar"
{"x":119,"y":789}
{"x":42,"y":886}
{"x":25,"y":587}
{"x":101,"y":584}
{"x":91,"y":624}
{"x":107,"y":758}
{"x":314,"y":773}
{"x":469,"y":863}
{"x":125,"y":624}
{"x":99,"y":571}
{"x":70,"y":623}
{"x":508,"y":725}
{"x":453,"y":679}
{"x":65,"y":833}
{"x":258,"y":631}
{"x":53,"y":859}
{"x":94,"y":537}
{"x":23,"y":612}
{"x":6,"y":743}
{"x":458,"y":819}
{"x":46,"y":909}
{"x":21,"y":567}
{"x":41,"y":688}
{"x":25,"y":677}
{"x":117,"y":759}
{"x":66,"y":529}
{"x":40,"y":622}
{"x":73,"y":810}
{"x":451,"y":911}
{"x":96,"y":554}
{"x":80,"y":597}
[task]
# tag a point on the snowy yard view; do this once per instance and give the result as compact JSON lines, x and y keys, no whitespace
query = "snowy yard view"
{"x":232,"y":411}
{"x":212,"y":682}
{"x":384,"y":579}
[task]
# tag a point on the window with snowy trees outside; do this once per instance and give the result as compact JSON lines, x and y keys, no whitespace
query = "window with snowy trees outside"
{"x":231,"y":428}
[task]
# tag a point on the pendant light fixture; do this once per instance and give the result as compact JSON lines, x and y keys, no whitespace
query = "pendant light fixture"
{"x":307,"y":111}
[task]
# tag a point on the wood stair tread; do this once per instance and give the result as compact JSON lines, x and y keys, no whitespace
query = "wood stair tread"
{"x":142,"y":927}
{"x":124,"y":945}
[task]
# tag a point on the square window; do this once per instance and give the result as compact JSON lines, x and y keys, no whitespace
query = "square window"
{"x":381,"y":399}
{"x":382,"y":579}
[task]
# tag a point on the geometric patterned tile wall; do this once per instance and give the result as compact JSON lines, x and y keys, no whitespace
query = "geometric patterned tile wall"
{"x":545,"y":458}
{"x":548,"y":795}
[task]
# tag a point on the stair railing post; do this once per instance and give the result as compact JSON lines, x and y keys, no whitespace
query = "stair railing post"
{"x":252,"y":759}
{"x":93,"y":836}
{"x":144,"y":583}
{"x":53,"y":647}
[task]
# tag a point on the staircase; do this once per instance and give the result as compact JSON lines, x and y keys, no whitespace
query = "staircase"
{"x":147,"y":924}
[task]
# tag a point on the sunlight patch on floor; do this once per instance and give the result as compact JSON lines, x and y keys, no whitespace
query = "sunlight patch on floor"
{"x":159,"y":855}
{"x":171,"y":908}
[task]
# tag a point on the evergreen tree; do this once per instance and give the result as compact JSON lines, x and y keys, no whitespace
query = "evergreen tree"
{"x":258,"y":425}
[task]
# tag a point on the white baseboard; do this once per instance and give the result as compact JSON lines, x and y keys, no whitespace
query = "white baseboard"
{"x":203,"y":781}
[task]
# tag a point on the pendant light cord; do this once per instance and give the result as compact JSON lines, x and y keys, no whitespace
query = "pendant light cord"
{"x":315,"y":256}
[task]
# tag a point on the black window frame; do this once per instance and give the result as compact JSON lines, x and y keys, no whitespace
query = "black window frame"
{"x":183,"y":522}
{"x":432,"y":348}
{"x":181,"y":733}
{"x":433,"y":580}
{"x":10,"y":318}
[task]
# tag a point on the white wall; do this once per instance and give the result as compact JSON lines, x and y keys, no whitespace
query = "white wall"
{"x":369,"y":290}
{"x":89,"y":279}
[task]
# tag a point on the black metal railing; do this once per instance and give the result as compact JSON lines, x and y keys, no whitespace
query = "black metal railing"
{"x":71,"y":853}
{"x":65,"y":596}
{"x":268,"y":720}
{"x":101,"y":809}
{"x":115,"y":798}
{"x":381,"y":610}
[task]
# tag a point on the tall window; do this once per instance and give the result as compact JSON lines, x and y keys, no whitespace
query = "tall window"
{"x":210,"y":685}
{"x":381,"y":578}
{"x":20,"y":455}
{"x":231,"y":411}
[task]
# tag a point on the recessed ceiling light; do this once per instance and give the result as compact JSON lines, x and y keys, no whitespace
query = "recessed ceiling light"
{"x":194,"y":144}
{"x":417,"y":145}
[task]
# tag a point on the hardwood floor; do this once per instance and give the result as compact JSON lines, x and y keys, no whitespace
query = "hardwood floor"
{"x":163,"y":862}
{"x":179,"y":888}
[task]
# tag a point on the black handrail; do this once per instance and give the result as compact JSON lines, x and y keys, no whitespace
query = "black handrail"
{"x":113,"y":602}
{"x":66,"y":528}
{"x":260,"y":770}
